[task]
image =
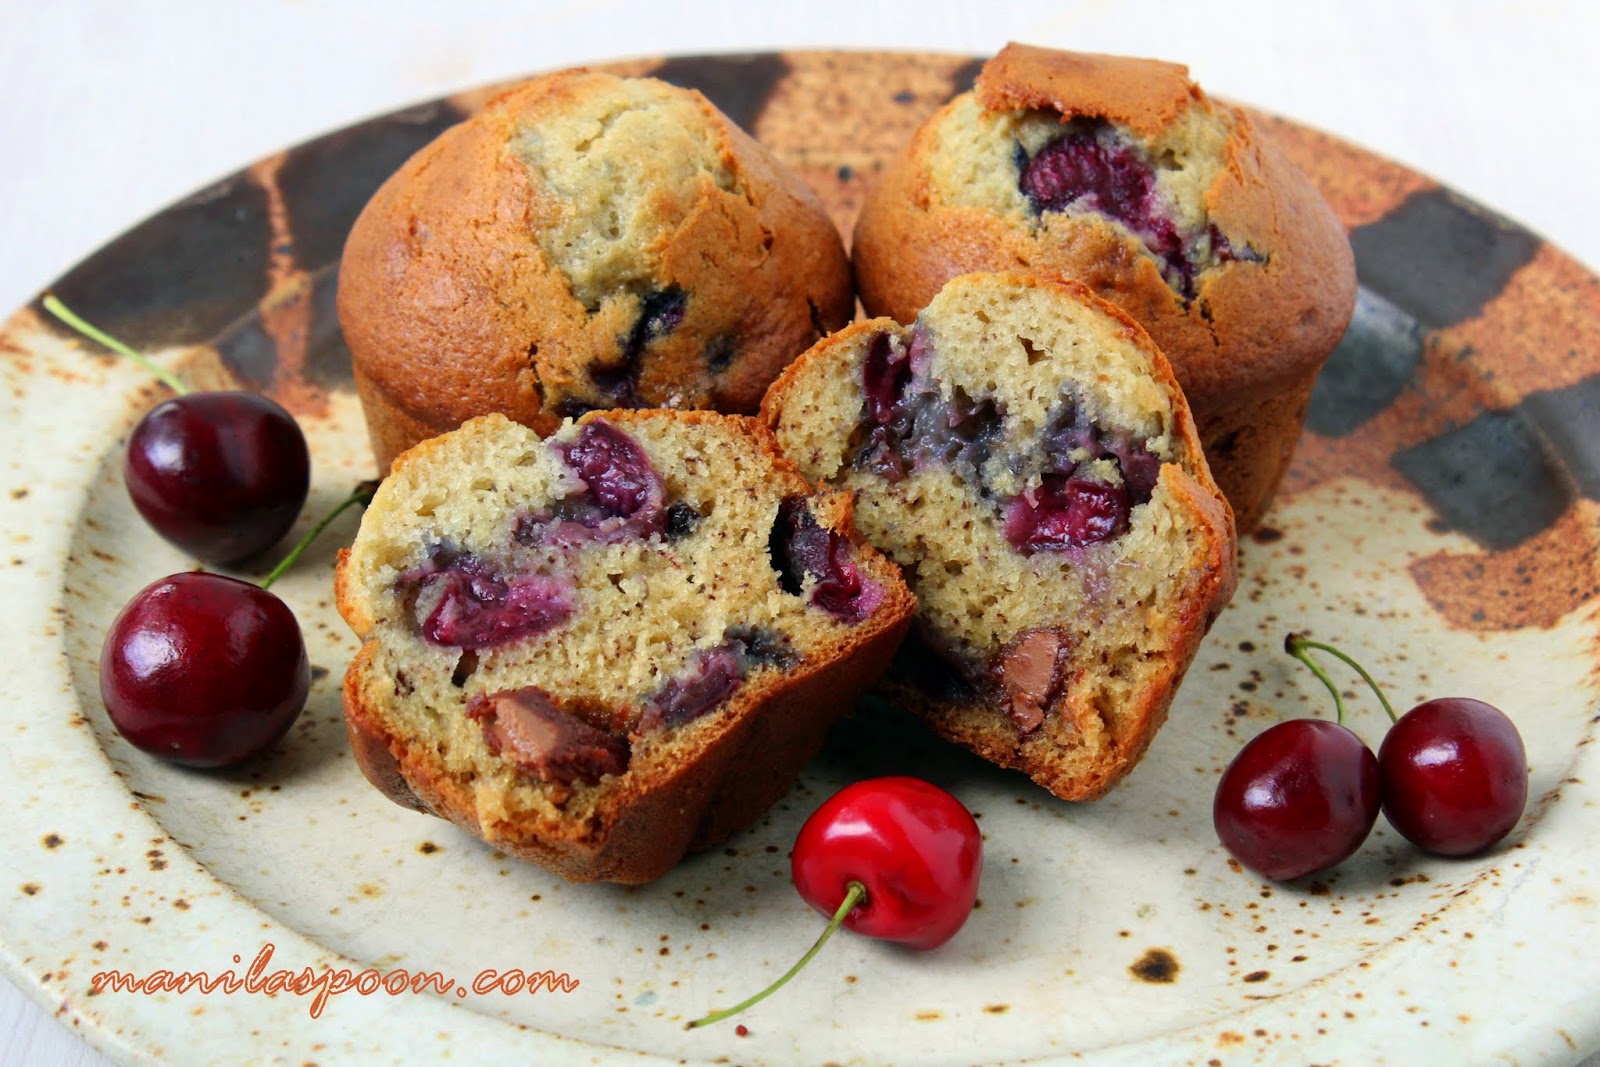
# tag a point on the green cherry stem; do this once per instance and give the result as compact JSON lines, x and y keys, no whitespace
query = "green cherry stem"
{"x":94,"y":333}
{"x":1297,"y":645}
{"x":362,"y":496}
{"x":853,"y":896}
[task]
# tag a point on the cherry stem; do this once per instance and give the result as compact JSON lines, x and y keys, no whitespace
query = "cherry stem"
{"x":362,"y":495}
{"x":854,"y":895}
{"x":1297,"y":644}
{"x":94,"y":333}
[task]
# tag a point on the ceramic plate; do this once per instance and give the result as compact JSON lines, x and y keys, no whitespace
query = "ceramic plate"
{"x":1439,"y":522}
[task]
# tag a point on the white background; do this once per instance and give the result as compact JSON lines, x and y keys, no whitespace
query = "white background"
{"x":111,"y":110}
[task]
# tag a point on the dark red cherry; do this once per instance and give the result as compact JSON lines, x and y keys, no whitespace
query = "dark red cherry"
{"x":798,"y":545}
{"x":1081,"y":170}
{"x":220,"y":475}
{"x":1066,"y":513}
{"x":1455,"y":776}
{"x":204,"y":670}
{"x":1299,"y":798}
{"x":1454,"y":770}
{"x":480,"y":608}
{"x":884,"y":374}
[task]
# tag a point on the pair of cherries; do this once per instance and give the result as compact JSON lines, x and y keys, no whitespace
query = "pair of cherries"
{"x":202,"y":669}
{"x":1451,"y":776}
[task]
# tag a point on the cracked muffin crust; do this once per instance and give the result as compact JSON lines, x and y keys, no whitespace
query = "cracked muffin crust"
{"x":585,"y":242}
{"x":1122,"y":174}
{"x":1023,"y":452}
{"x":602,"y":649}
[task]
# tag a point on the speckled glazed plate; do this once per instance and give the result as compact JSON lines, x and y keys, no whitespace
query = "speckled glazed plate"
{"x":1440,"y":522}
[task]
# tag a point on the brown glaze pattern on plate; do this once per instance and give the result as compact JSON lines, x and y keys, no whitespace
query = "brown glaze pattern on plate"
{"x":1440,"y":520}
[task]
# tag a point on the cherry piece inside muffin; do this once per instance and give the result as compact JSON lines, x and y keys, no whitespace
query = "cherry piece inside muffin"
{"x":908,"y":424}
{"x":1100,"y":168}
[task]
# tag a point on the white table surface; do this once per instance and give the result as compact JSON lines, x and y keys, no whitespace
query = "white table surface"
{"x":112,"y":110}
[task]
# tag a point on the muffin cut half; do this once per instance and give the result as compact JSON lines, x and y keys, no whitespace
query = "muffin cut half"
{"x":1023,"y":452}
{"x":601,"y":650}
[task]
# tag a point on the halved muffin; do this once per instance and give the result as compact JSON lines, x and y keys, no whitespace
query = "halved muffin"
{"x":1023,"y":452}
{"x":601,"y":650}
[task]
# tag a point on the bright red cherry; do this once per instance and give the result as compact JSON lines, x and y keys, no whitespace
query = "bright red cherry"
{"x":1455,"y":776}
{"x":1299,"y":798}
{"x":204,"y":670}
{"x":914,"y":848}
{"x":897,"y":859}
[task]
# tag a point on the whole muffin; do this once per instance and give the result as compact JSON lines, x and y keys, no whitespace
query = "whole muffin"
{"x":586,"y":241}
{"x":601,"y":649}
{"x":1122,"y":174}
{"x":1024,"y":454}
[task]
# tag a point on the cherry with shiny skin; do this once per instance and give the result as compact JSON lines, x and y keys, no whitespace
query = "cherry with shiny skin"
{"x":897,"y":859}
{"x":220,"y":475}
{"x":204,"y":670}
{"x":1303,"y":795}
{"x":914,"y":848}
{"x":1455,"y":776}
{"x":1299,"y":798}
{"x":1452,"y":775}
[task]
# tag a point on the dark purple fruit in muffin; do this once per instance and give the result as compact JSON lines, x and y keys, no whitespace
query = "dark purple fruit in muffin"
{"x":760,"y":647}
{"x":714,"y":673}
{"x":884,"y":372}
{"x":1081,"y":170}
{"x":463,"y":602}
{"x":622,"y":498}
{"x":660,"y":313}
{"x":1071,"y":431}
{"x":800,"y":547}
{"x":682,"y":517}
{"x":1079,"y":166}
{"x":908,"y":423}
{"x":710,"y":678}
{"x":619,"y":475}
